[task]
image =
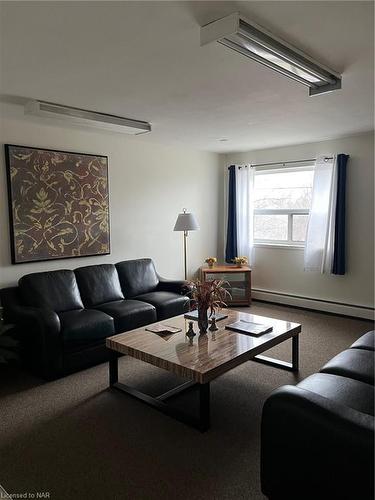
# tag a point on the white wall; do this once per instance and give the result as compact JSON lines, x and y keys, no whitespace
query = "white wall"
{"x":281,"y":270}
{"x":149,"y":185}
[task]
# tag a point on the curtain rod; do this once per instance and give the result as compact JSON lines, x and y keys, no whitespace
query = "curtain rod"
{"x":286,"y":162}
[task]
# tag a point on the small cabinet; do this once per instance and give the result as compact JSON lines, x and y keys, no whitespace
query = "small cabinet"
{"x":239,"y":282}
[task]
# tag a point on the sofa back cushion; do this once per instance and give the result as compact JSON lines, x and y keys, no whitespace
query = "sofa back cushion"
{"x":56,"y":290}
{"x":137,"y":276}
{"x":98,"y":284}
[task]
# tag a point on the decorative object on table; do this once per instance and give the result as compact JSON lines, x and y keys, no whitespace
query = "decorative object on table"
{"x":213,"y":326}
{"x":216,"y":315}
{"x":240,"y":261}
{"x":249,"y":327}
{"x":239,"y":279}
{"x":186,"y":222}
{"x":190,"y":333}
{"x":211,"y":261}
{"x":8,"y":345}
{"x":207,"y":296}
{"x":58,"y":204}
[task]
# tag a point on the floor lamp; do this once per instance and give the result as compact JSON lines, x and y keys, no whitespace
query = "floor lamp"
{"x":186,"y":222}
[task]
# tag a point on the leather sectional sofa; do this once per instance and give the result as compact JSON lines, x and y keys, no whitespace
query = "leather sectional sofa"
{"x":64,"y":317}
{"x":318,"y":436}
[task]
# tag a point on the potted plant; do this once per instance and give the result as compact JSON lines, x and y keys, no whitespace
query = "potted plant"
{"x":211,"y":261}
{"x":207,"y":296}
{"x":240,"y":261}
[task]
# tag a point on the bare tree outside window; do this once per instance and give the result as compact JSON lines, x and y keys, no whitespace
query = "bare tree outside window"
{"x":282,"y":204}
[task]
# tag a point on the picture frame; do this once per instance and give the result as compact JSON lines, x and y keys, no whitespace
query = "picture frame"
{"x":58,"y":204}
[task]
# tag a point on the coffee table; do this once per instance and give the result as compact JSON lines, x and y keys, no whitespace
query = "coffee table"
{"x":203,"y":360}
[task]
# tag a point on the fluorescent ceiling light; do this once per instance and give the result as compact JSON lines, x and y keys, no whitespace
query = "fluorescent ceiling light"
{"x":253,"y":41}
{"x":87,"y":118}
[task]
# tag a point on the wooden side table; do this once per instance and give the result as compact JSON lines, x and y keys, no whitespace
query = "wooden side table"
{"x":239,"y":279}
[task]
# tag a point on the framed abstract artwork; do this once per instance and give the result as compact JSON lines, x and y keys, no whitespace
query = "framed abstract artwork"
{"x":58,"y":204}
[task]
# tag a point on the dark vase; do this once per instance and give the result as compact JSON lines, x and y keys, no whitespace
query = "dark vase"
{"x":202,"y":319}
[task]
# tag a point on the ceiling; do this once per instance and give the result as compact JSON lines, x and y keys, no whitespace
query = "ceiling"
{"x":143,"y":60}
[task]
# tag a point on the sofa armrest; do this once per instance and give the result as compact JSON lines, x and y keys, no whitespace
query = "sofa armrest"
{"x":313,"y":447}
{"x":177,"y":286}
{"x":39,"y":331}
{"x":42,"y":319}
{"x":45,"y":321}
{"x":45,"y":339}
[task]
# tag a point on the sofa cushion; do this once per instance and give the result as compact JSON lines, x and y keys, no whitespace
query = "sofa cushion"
{"x":129,"y":314}
{"x":367,"y":342}
{"x":137,"y":277}
{"x":168,"y":304}
{"x":98,"y":284}
{"x":343,"y":390}
{"x":56,"y":290}
{"x":84,"y":325}
{"x":353,"y":363}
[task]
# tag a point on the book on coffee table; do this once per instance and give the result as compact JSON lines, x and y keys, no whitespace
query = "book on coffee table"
{"x":163,"y":330}
{"x":248,"y":327}
{"x":194,"y":315}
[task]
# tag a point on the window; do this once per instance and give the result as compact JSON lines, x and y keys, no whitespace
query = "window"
{"x":281,"y":205}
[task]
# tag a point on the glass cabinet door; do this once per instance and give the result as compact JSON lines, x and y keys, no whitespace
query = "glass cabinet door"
{"x":237,"y":284}
{"x":230,"y":277}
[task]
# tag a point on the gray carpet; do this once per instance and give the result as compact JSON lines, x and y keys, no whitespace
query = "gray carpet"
{"x":76,"y":439}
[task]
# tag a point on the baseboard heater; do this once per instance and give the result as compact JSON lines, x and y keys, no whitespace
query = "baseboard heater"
{"x":341,"y":308}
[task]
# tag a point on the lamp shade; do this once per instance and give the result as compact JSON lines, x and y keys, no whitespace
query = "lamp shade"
{"x":186,"y":222}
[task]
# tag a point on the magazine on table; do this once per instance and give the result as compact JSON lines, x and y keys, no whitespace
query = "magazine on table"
{"x":249,"y":327}
{"x":163,"y":330}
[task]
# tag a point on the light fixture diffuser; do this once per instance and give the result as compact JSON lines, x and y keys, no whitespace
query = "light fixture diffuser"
{"x":87,"y":118}
{"x":253,"y":41}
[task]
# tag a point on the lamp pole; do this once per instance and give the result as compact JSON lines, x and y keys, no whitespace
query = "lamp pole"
{"x":185,"y":253}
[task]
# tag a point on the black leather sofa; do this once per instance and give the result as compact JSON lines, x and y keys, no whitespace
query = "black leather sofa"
{"x":318,"y":436}
{"x":64,"y":317}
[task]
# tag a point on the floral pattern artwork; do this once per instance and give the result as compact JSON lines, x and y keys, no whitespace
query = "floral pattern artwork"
{"x":58,"y":204}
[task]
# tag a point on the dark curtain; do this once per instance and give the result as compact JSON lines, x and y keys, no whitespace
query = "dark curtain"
{"x":339,"y":256}
{"x":231,"y":246}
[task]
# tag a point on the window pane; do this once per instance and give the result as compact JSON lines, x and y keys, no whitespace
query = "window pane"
{"x":271,"y":227}
{"x":283,"y":189}
{"x":299,"y":227}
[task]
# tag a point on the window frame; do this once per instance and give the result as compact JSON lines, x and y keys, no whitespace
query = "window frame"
{"x":289,"y":243}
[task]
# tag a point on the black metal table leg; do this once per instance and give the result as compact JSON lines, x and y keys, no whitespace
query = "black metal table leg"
{"x":295,"y":353}
{"x":202,"y":422}
{"x":113,"y":368}
{"x":278,"y":363}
